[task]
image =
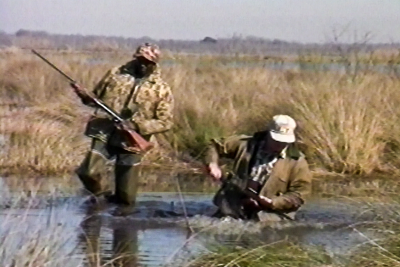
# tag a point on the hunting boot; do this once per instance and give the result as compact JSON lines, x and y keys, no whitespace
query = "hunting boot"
{"x":126,"y":186}
{"x":90,"y":172}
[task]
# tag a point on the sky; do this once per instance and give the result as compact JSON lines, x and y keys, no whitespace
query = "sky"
{"x":291,"y":20}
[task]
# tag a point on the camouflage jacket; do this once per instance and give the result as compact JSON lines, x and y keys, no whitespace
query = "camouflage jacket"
{"x":289,"y":182}
{"x":147,"y":102}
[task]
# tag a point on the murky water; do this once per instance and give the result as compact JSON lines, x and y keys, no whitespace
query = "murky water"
{"x":157,"y":234}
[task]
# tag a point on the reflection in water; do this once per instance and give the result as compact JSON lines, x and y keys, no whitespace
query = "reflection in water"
{"x":124,"y":247}
{"x":131,"y":241}
{"x":89,"y":239}
{"x":145,"y":239}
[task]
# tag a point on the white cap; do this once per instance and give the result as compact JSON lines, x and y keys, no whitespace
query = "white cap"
{"x":282,"y":128}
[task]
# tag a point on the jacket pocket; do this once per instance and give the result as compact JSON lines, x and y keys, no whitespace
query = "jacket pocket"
{"x":275,"y":186}
{"x":101,"y":128}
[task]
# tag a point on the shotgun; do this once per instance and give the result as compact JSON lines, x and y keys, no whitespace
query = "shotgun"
{"x":136,"y":142}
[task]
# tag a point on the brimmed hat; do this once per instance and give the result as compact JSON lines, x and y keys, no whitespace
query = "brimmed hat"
{"x":282,"y":128}
{"x":149,"y":51}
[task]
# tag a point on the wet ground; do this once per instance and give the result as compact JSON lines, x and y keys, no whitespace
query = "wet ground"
{"x":157,"y":234}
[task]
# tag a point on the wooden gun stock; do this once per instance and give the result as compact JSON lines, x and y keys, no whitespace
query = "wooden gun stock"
{"x":139,"y":144}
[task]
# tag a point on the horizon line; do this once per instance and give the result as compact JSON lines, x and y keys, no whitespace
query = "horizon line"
{"x":238,"y":36}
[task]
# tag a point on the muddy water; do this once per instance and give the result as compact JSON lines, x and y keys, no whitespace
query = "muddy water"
{"x":157,"y":234}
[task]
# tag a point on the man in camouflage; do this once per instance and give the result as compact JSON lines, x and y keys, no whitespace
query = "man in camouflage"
{"x":267,"y":163}
{"x":145,"y":102}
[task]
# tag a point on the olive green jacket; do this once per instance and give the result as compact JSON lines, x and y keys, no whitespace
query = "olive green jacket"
{"x":148,"y":103}
{"x":290,"y":179}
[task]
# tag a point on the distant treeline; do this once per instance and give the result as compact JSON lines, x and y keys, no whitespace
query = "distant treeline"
{"x":235,"y":45}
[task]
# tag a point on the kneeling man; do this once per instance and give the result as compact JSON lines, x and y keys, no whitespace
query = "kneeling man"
{"x":270,"y":177}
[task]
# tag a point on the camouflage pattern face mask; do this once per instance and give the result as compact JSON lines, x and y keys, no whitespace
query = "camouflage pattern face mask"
{"x":140,"y":67}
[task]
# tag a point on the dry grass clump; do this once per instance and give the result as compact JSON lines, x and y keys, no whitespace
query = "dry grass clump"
{"x":346,"y":122}
{"x":343,"y":122}
{"x":282,"y":253}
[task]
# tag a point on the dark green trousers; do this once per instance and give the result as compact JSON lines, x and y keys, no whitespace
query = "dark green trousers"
{"x":92,"y":171}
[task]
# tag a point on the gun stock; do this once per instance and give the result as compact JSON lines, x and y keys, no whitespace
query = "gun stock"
{"x":140,"y":144}
{"x":137,"y":143}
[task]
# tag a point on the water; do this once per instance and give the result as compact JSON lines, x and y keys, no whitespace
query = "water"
{"x":77,"y":234}
{"x":306,"y":66}
{"x":150,"y":240}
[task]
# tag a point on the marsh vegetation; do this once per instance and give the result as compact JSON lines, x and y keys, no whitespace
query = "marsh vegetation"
{"x":347,"y":117}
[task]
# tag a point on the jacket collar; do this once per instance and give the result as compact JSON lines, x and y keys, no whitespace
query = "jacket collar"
{"x":155,"y":75}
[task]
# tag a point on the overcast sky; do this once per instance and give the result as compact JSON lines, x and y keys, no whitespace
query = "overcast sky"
{"x":291,"y":20}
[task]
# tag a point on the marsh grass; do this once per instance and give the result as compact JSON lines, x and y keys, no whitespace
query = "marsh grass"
{"x":282,"y":253}
{"x":383,"y":250}
{"x":379,"y":253}
{"x":347,"y":124}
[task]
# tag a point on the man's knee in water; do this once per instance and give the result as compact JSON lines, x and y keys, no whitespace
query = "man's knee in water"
{"x":87,"y":173}
{"x":92,"y":166}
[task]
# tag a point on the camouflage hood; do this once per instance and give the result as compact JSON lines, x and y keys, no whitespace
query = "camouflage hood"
{"x":155,"y":76}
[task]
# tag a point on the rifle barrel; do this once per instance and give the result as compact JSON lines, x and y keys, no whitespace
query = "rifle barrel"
{"x":99,"y":103}
{"x":54,"y":67}
{"x":108,"y":110}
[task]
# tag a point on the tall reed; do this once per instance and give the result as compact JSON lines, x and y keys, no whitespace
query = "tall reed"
{"x":347,"y":124}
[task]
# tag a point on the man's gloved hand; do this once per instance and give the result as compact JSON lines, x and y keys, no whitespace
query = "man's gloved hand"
{"x":78,"y":90}
{"x":81,"y":93}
